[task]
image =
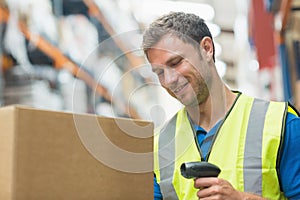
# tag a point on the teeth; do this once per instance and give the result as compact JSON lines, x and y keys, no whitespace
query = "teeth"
{"x":178,"y":89}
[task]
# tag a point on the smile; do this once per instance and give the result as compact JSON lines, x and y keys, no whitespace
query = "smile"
{"x":180,"y":88}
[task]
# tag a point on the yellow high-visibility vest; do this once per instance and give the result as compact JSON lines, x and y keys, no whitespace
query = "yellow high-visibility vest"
{"x":246,"y":148}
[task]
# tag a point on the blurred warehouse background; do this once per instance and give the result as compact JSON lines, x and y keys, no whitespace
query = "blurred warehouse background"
{"x":84,"y":56}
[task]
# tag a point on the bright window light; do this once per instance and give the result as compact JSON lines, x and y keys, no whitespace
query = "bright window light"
{"x":146,"y":11}
{"x":253,"y":65}
{"x":221,"y":68}
{"x":218,"y":49}
{"x":214,"y":29}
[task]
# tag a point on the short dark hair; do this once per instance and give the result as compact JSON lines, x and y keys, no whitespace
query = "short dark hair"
{"x":190,"y":28}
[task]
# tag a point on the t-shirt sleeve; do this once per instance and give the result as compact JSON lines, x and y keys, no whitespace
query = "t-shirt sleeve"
{"x":157,"y":193}
{"x":289,"y":167}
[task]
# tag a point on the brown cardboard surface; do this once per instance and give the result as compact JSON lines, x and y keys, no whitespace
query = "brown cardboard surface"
{"x":57,"y":155}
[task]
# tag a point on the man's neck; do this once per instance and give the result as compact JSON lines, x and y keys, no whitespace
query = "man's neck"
{"x":208,"y":113}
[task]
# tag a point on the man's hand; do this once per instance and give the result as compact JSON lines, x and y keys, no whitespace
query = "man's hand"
{"x":217,"y":189}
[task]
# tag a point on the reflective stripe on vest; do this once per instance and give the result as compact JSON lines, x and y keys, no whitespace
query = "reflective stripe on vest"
{"x":259,"y":115}
{"x":166,"y":147}
{"x":253,"y":147}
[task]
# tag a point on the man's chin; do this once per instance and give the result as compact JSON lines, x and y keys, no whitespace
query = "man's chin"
{"x":188,"y":101}
{"x":185,"y":99}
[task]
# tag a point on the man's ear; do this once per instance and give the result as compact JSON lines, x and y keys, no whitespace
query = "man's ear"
{"x":207,"y":47}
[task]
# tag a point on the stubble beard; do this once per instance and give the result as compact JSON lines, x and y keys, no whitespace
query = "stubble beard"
{"x":195,"y":98}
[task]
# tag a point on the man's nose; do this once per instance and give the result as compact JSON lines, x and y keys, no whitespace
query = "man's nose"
{"x":170,"y":76}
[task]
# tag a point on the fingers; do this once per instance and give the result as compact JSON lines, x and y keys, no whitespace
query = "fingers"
{"x":214,"y":188}
{"x":206,"y":182}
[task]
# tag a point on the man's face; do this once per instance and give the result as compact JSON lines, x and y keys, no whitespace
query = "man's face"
{"x":180,"y":70}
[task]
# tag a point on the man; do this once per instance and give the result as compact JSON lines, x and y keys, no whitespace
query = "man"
{"x":254,"y":142}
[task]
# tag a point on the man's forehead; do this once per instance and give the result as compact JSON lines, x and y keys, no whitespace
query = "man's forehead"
{"x":162,"y":55}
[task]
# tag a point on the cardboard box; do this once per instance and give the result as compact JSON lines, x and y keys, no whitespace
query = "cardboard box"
{"x":57,"y":155}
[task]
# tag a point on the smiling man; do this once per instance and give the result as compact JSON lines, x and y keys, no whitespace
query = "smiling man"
{"x":254,"y":142}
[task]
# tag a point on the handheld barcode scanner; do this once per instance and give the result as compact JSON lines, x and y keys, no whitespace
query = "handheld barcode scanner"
{"x":199,"y":170}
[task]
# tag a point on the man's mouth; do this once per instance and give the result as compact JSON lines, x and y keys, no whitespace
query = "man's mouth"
{"x":180,"y":88}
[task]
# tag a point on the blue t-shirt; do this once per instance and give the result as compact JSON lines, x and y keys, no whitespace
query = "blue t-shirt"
{"x":289,"y":166}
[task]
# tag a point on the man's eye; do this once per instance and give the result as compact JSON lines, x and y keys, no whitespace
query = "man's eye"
{"x":177,"y":62}
{"x":160,"y":72}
